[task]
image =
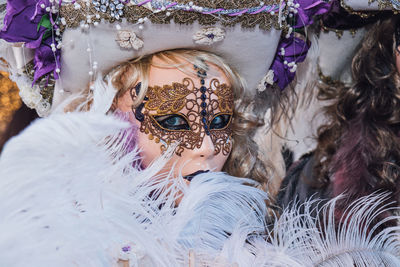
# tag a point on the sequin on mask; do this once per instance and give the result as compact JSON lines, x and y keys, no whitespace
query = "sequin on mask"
{"x":208,"y":111}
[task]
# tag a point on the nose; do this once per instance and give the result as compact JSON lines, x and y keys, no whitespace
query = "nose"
{"x":206,"y":149}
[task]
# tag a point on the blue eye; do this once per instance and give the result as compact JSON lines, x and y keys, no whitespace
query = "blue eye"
{"x":220,"y":121}
{"x":172,"y":122}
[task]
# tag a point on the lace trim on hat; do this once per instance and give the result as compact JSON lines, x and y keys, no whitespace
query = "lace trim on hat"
{"x":248,"y":14}
{"x":46,"y":84}
{"x":339,"y":33}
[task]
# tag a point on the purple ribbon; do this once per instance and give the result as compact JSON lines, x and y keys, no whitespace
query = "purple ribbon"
{"x":295,"y":51}
{"x":295,"y":48}
{"x":44,"y":62}
{"x":307,"y":11}
{"x":21,"y":25}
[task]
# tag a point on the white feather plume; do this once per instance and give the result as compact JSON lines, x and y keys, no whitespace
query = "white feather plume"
{"x":298,"y":238}
{"x":357,"y":241}
{"x":71,"y":195}
{"x":103,"y":95}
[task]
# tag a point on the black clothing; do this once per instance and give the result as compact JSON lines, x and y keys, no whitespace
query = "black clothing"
{"x":299,"y":185}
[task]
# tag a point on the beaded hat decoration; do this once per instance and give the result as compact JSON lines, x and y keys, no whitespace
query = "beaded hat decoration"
{"x":60,"y":47}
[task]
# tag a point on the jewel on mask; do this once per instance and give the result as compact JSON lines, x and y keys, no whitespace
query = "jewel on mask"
{"x":202,"y":74}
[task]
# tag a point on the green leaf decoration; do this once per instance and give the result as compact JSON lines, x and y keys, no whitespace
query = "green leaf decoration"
{"x":46,"y":34}
{"x":45,"y":22}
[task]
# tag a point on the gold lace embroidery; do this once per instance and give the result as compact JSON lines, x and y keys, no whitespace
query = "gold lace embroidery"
{"x":382,"y":4}
{"x":225,"y":95}
{"x":167,"y":98}
{"x":133,"y":13}
{"x":173,"y":99}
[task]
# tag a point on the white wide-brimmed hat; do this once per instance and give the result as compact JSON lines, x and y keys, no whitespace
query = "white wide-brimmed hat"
{"x":336,"y":54}
{"x":66,"y":44}
{"x":342,"y":30}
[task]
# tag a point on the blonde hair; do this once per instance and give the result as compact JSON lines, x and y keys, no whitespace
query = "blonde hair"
{"x":244,"y":159}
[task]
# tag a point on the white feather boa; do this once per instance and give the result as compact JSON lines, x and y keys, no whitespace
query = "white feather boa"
{"x":70,"y":196}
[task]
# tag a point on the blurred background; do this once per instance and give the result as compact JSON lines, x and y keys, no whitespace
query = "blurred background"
{"x":10,"y":101}
{"x":14,"y":115}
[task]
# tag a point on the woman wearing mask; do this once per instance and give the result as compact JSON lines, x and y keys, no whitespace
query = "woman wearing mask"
{"x":142,"y":185}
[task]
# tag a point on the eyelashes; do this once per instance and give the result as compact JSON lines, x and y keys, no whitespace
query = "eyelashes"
{"x":220,"y":121}
{"x":176,"y":122}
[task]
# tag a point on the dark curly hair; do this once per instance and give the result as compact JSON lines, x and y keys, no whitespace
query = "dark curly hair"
{"x":358,"y":151}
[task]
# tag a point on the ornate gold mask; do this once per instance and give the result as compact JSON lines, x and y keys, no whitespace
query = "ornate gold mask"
{"x":183,"y":113}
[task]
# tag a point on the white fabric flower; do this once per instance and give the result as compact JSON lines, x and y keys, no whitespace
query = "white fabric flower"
{"x":30,"y":96}
{"x":128,"y":39}
{"x":43,"y":108}
{"x":268,"y":79}
{"x":208,"y":36}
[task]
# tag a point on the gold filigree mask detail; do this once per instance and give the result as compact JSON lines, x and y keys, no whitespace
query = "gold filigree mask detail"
{"x":183,"y":113}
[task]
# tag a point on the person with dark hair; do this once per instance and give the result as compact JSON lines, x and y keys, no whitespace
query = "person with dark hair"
{"x":358,"y":150}
{"x":143,"y":115}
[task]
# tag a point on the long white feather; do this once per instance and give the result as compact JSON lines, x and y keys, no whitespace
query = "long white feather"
{"x":357,"y":242}
{"x":298,"y":238}
{"x":71,"y":195}
{"x":103,"y":95}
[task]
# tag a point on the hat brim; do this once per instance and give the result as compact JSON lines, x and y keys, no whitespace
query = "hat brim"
{"x":366,"y":5}
{"x":249,"y":51}
{"x":337,"y":53}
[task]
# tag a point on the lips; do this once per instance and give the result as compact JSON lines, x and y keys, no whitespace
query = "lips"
{"x":189,"y":177}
